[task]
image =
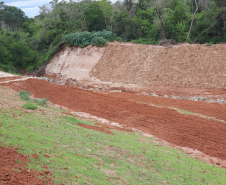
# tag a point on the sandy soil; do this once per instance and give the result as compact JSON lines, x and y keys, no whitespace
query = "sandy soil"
{"x":9,"y":167}
{"x":4,"y":74}
{"x":75,"y":63}
{"x":205,"y":135}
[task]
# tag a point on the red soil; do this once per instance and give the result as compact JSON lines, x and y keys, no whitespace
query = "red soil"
{"x":114,"y":127}
{"x":100,"y":129}
{"x":207,"y":136}
{"x":10,"y":78}
{"x":10,"y":162}
{"x":207,"y":109}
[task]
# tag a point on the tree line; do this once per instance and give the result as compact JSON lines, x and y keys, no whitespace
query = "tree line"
{"x":26,"y":43}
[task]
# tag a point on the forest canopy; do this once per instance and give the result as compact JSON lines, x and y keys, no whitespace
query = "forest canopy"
{"x":26,"y":43}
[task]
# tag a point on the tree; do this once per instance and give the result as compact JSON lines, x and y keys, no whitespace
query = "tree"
{"x":106,"y":8}
{"x":163,"y":12}
{"x":193,"y":17}
{"x":94,"y":17}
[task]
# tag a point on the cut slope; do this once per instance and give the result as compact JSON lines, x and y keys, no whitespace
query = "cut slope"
{"x":184,"y":65}
{"x":75,"y":63}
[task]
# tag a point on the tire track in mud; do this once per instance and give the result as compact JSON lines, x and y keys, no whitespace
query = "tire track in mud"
{"x":207,"y":136}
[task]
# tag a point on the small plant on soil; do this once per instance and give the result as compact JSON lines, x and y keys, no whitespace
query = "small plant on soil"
{"x":209,"y":44}
{"x":24,"y":95}
{"x":29,"y":105}
{"x":41,"y":102}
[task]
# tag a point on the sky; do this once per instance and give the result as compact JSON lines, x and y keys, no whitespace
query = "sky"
{"x":30,"y":7}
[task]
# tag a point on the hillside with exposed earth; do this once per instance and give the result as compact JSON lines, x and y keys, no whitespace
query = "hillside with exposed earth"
{"x":176,"y":69}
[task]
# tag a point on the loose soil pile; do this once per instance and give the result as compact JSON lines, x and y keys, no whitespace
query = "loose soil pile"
{"x":13,"y":172}
{"x":205,"y":135}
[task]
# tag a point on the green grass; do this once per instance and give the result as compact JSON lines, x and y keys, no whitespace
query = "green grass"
{"x":29,"y":105}
{"x":84,"y":156}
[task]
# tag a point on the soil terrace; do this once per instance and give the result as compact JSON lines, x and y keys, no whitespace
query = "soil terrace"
{"x":205,"y":135}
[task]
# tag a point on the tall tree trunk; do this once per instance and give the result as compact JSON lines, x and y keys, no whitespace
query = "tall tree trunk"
{"x":193,"y":17}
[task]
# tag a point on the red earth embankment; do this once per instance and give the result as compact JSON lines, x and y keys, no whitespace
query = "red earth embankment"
{"x":205,"y":135}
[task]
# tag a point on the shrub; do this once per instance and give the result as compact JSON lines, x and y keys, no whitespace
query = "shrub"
{"x":41,"y":102}
{"x":83,"y":39}
{"x":24,"y":95}
{"x":98,"y":41}
{"x":29,"y":105}
{"x":209,"y":43}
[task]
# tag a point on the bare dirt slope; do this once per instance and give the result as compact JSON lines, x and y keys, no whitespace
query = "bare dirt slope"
{"x":185,"y":65}
{"x":75,"y":63}
{"x":192,"y":70}
{"x":205,"y":135}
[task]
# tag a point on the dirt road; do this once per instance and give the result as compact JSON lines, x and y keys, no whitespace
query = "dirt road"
{"x":205,"y":135}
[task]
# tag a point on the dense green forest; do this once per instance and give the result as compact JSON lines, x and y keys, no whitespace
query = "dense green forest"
{"x":26,"y":43}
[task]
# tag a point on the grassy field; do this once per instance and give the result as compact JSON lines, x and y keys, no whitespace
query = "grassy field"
{"x":76,"y":155}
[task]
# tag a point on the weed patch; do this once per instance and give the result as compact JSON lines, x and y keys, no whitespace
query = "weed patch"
{"x":29,"y":105}
{"x":40,"y":102}
{"x":24,"y":95}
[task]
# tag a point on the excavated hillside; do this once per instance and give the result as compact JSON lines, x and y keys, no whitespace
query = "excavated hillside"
{"x":184,"y":65}
{"x":73,"y":63}
{"x":136,"y":68}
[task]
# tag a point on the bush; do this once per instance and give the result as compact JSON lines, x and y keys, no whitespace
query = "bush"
{"x":24,"y":95}
{"x":144,"y":41}
{"x":83,"y":39}
{"x":209,"y":43}
{"x":41,"y":102}
{"x":29,"y":105}
{"x":98,"y":41}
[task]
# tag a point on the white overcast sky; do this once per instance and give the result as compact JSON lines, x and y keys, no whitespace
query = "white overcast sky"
{"x":30,"y":7}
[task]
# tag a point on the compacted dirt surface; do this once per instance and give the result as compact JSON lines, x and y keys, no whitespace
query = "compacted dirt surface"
{"x":10,"y":78}
{"x":205,"y":135}
{"x":214,"y":110}
{"x":12,"y":171}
